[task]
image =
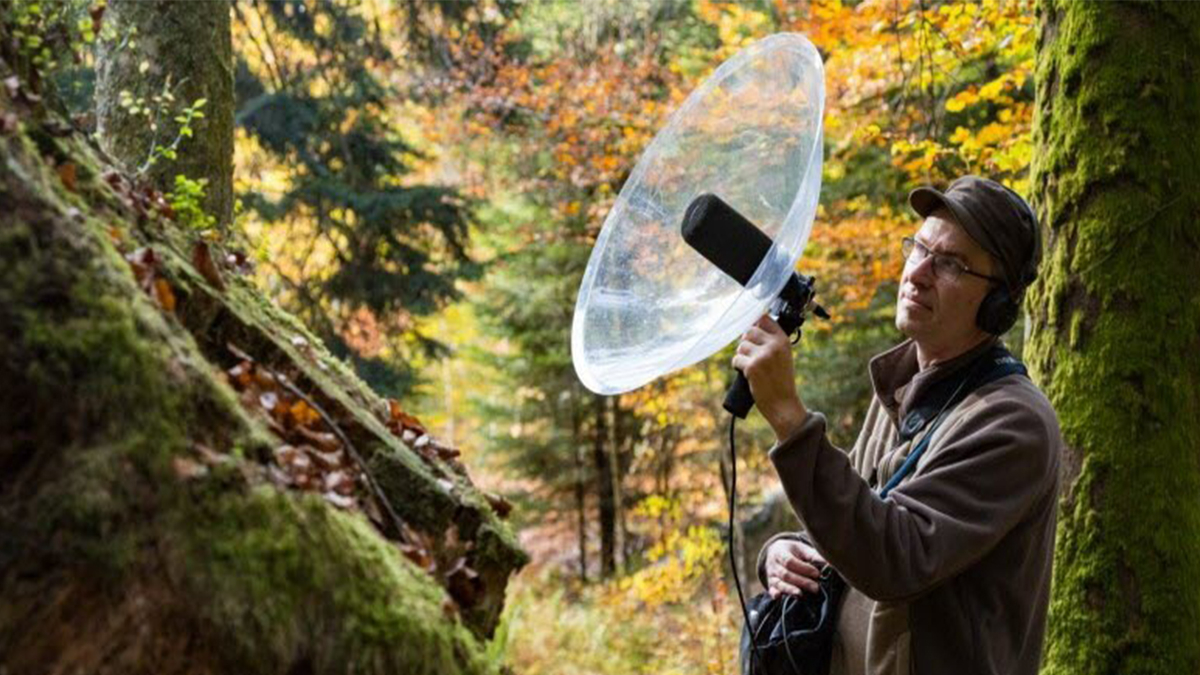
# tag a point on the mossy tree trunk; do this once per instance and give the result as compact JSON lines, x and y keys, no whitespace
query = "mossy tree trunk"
{"x":185,"y":48}
{"x":1115,"y":329}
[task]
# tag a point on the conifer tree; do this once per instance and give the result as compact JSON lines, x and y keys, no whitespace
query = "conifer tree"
{"x":321,"y":106}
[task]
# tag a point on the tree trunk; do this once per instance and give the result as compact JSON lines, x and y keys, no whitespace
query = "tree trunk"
{"x":1115,"y":329}
{"x":604,"y":492}
{"x":615,"y":441}
{"x":186,"y":48}
{"x":580,"y":488}
{"x":581,"y":510}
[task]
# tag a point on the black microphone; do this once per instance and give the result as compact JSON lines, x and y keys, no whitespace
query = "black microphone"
{"x":737,"y":247}
{"x":725,"y":237}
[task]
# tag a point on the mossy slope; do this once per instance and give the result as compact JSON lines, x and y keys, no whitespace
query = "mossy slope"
{"x":114,"y":560}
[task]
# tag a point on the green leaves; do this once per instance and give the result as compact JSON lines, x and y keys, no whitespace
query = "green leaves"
{"x":187,"y":201}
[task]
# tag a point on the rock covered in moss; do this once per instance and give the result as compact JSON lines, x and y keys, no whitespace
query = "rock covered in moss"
{"x":142,"y":529}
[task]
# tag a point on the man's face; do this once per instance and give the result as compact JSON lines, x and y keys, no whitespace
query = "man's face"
{"x":936,"y":312}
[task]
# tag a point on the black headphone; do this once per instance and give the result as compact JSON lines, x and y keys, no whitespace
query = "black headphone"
{"x":1000,"y":307}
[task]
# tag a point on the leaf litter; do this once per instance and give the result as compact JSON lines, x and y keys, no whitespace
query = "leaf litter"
{"x":315,"y":456}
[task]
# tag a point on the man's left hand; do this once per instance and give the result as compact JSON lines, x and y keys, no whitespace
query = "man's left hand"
{"x":765,"y":357}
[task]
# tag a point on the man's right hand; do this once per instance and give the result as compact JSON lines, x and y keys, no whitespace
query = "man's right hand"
{"x":792,"y":567}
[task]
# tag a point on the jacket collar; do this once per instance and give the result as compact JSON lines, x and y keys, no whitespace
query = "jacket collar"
{"x":899,"y":382}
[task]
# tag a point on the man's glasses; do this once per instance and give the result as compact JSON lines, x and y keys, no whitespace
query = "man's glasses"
{"x":944,"y":267}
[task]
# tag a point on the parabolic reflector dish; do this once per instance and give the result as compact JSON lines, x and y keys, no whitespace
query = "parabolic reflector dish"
{"x":751,"y":134}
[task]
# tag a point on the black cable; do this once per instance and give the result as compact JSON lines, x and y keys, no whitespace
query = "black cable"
{"x":732,"y":557}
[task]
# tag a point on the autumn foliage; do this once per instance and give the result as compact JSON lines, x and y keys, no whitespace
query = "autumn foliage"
{"x":538,"y":114}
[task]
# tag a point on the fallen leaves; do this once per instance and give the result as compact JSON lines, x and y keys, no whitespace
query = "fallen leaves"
{"x":202,"y":260}
{"x":239,"y":262}
{"x":309,"y":459}
{"x":308,"y":469}
{"x":410,"y":430}
{"x":145,"y":264}
{"x":499,"y":504}
{"x":314,"y":456}
{"x":400,"y":421}
{"x":140,"y":197}
{"x":164,"y":295}
{"x":68,"y":175}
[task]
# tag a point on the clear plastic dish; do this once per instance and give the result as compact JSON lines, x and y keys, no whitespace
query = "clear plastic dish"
{"x":751,"y":134}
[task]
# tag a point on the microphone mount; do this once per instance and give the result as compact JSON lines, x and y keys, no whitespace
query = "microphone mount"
{"x":789,"y":309}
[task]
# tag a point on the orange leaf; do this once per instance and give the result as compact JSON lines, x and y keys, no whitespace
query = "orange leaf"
{"x":303,"y":414}
{"x":202,"y":260}
{"x":164,"y":295}
{"x":403,"y":419}
{"x":66,"y":173}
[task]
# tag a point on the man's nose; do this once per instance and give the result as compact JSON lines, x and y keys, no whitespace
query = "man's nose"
{"x":921,"y":272}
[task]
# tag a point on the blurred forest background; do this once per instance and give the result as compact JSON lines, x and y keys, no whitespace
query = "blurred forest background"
{"x":422,"y":183}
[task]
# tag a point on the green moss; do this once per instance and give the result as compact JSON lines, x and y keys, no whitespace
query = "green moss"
{"x":109,"y":390}
{"x":284,"y":579}
{"x":1114,"y":325}
{"x":429,"y":497}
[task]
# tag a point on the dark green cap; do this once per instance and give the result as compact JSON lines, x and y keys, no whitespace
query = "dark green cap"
{"x":994,"y":216}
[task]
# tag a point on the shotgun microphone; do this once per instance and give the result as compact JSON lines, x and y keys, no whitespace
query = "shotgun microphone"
{"x":737,"y":247}
{"x":724,"y":237}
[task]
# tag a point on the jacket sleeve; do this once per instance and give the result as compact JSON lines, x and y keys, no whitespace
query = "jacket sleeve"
{"x":992,"y":463}
{"x":875,"y":410}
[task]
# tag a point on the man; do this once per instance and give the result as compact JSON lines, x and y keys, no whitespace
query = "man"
{"x":950,"y":573}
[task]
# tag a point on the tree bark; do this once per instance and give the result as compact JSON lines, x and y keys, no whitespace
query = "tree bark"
{"x":580,"y":489}
{"x":1115,"y":329}
{"x":615,"y":441}
{"x":186,"y":47}
{"x":604,"y":492}
{"x":581,"y":510}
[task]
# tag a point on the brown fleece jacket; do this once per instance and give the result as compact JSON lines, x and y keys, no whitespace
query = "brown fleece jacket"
{"x":951,"y":573}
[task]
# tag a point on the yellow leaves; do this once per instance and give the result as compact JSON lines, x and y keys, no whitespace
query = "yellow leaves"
{"x":1014,"y":158}
{"x":917,"y":158}
{"x":736,"y":24}
{"x":855,"y":253}
{"x":679,"y":565}
{"x":833,"y":171}
{"x":992,"y":90}
{"x":992,"y":134}
{"x":869,"y":133}
{"x":963,"y":99}
{"x":999,"y":91}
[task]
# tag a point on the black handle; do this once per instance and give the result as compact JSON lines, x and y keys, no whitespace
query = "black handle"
{"x":739,"y":400}
{"x":797,"y":298}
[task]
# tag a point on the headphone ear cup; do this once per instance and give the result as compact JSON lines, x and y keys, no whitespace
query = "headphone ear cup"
{"x":997,"y":312}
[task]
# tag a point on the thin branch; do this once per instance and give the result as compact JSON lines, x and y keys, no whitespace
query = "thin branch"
{"x":272,"y":66}
{"x":401,"y":528}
